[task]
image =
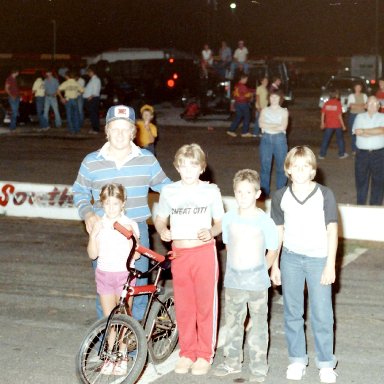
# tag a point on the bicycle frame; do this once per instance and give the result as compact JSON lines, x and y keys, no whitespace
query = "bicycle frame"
{"x":128,"y":291}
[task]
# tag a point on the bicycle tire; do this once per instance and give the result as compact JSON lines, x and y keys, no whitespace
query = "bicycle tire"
{"x":90,"y":365}
{"x":165,"y":334}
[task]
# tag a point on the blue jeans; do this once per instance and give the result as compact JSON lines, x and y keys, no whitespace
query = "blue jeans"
{"x":369,"y":167}
{"x":297,"y":269}
{"x":256,"y":127}
{"x":72,"y":110}
{"x":80,"y":103}
{"x":327,"y":135}
{"x":272,"y":146}
{"x":235,"y":65}
{"x":51,"y":101}
{"x":39,"y":101}
{"x":242,"y":112}
{"x":139,"y":302}
{"x":14,"y":104}
{"x":351,"y":120}
{"x":92,"y":106}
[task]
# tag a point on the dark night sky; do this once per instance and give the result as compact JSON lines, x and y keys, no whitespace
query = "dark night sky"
{"x":275,"y":27}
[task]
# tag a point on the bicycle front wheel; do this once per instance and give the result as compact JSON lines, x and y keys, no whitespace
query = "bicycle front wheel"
{"x":122,"y":358}
{"x":162,"y":328}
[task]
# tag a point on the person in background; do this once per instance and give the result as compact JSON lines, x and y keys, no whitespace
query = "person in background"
{"x":251,"y":240}
{"x":38,"y":91}
{"x":332,"y":122}
{"x":240,"y":59}
{"x":369,"y":161}
{"x":275,"y":85}
{"x":120,"y":161}
{"x":12,"y":90}
{"x":72,"y":91}
{"x":242,"y":95}
{"x":195,"y":210}
{"x":225,"y":59}
{"x":206,"y":59}
{"x":356,"y":104}
{"x":80,"y":100}
{"x":91,"y":96}
{"x":146,"y":130}
{"x":51,"y":85}
{"x":380,"y":95}
{"x":273,"y":123}
{"x":306,"y":216}
{"x":260,"y":103}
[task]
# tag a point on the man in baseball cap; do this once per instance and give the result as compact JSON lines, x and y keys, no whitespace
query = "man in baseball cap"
{"x":121,"y":161}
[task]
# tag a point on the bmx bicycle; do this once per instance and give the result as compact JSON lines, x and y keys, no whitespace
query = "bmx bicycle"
{"x":115,"y":349}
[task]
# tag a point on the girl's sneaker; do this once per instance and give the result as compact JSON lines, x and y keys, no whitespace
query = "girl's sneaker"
{"x":121,"y":368}
{"x":327,"y":375}
{"x":107,"y":368}
{"x":295,"y":371}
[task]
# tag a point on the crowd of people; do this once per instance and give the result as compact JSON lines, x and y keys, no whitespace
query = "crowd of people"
{"x":271,"y":121}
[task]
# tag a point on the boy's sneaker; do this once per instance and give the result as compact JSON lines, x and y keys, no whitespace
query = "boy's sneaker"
{"x":257,"y":378}
{"x":183,"y":365}
{"x":107,"y":368}
{"x":223,"y":370}
{"x":327,"y":375}
{"x":200,"y":367}
{"x":295,"y":371}
{"x":321,"y":157}
{"x":248,"y":134}
{"x":344,"y":156}
{"x":230,"y":133}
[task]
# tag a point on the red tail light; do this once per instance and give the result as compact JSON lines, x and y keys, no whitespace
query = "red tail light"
{"x":171,"y":83}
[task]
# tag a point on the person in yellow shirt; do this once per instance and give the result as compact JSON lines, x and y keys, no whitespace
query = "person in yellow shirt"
{"x":146,"y":130}
{"x":72,"y":90}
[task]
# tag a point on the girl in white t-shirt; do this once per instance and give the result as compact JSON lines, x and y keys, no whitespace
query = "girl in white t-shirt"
{"x":111,"y":250}
{"x":110,"y":247}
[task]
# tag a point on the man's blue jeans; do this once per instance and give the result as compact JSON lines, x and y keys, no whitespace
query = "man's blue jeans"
{"x":80,"y":103}
{"x":51,"y":101}
{"x":327,"y":135}
{"x":72,"y":110}
{"x":139,"y":302}
{"x":369,"y":168}
{"x":297,"y":269}
{"x":14,"y":104}
{"x":242,"y":112}
{"x":351,"y":120}
{"x":272,"y":146}
{"x":92,"y":106}
{"x":256,"y":127}
{"x":39,"y":101}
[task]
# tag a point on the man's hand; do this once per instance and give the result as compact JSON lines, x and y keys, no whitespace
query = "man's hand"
{"x":204,"y":234}
{"x":276,"y":275}
{"x":328,"y":276}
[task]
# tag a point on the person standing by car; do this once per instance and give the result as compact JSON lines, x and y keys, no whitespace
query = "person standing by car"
{"x":356,"y":104}
{"x":12,"y":90}
{"x":38,"y":91}
{"x":369,"y":163}
{"x":261,"y":102}
{"x":51,"y":85}
{"x":91,"y":96}
{"x":72,"y":90}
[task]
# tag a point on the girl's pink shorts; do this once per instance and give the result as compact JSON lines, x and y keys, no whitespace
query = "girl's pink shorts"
{"x":109,"y":283}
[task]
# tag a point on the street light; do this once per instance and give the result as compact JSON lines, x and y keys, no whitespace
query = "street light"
{"x":233,"y":5}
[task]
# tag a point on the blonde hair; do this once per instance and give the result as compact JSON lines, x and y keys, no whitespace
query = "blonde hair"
{"x":132,"y":126}
{"x":192,"y":152}
{"x":112,"y":190}
{"x":247,"y":175}
{"x":304,"y":152}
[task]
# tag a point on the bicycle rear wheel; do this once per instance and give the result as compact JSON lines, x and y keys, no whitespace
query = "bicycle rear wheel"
{"x":123,"y":357}
{"x":161,"y":325}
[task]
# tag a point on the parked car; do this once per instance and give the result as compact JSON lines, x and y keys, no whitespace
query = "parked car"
{"x":344,"y":85}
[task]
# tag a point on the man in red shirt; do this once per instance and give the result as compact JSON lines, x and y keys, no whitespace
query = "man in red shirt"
{"x":13,"y":96}
{"x":242,"y":95}
{"x":332,"y":121}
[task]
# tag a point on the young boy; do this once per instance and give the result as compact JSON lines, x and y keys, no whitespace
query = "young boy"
{"x":146,"y":131}
{"x":192,"y":206}
{"x":242,"y":95}
{"x":332,"y":121}
{"x":306,"y":217}
{"x":247,"y":233}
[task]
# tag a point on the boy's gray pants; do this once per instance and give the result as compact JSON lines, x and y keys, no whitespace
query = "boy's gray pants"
{"x":236,"y":302}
